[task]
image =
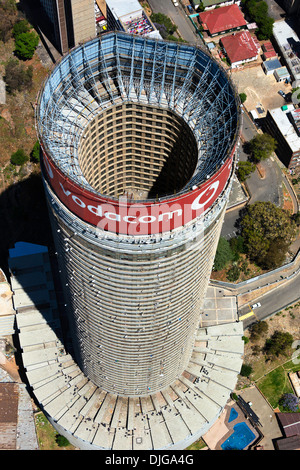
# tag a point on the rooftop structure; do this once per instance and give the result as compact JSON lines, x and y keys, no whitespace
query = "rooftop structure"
{"x":129,"y":17}
{"x":221,"y":20}
{"x":268,"y":51}
{"x":240,"y":47}
{"x":289,"y":45}
{"x":269,"y":66}
{"x":281,"y":74}
{"x":280,"y":124}
{"x":139,"y":139}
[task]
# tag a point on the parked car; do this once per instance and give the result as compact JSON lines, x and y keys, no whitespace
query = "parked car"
{"x":256,"y":305}
{"x":282,"y":93}
{"x":176,"y":4}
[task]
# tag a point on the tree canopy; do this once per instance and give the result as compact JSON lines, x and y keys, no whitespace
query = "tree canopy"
{"x":257,"y":10}
{"x":19,"y":157}
{"x":244,"y":170}
{"x":268,"y":231}
{"x":278,"y":344}
{"x":261,"y":147}
{"x":26,"y":44}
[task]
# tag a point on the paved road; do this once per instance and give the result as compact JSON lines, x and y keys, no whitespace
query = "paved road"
{"x":264,"y":189}
{"x":179,"y":17}
{"x":272,"y":302}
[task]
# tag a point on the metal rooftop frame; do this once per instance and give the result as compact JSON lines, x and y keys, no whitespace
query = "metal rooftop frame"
{"x":119,"y":68}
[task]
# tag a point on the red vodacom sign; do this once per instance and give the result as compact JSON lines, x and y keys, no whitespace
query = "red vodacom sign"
{"x":136,"y":218}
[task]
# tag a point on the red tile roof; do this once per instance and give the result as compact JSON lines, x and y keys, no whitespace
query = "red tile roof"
{"x":240,"y":46}
{"x":270,"y":54}
{"x":222,"y":19}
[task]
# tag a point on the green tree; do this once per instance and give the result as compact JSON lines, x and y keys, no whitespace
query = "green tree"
{"x":237,"y":245}
{"x":243,"y":97}
{"x":257,"y":10}
{"x":265,"y":28}
{"x":244,"y":170}
{"x":35,"y":153}
{"x":246,"y":370}
{"x":61,"y":441}
{"x":278,"y":344}
{"x":261,"y":147}
{"x":264,"y":225}
{"x":223,"y":254}
{"x":164,"y":20}
{"x":19,"y":157}
{"x":21,"y":26}
{"x":26,"y":44}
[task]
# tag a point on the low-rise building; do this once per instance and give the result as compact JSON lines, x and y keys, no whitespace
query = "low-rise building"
{"x":269,"y":66}
{"x":281,"y":123}
{"x":222,"y":20}
{"x":288,"y":43}
{"x":130,"y":17}
{"x":240,"y":48}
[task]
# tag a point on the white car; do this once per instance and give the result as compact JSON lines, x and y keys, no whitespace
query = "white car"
{"x":176,"y":4}
{"x":256,"y":305}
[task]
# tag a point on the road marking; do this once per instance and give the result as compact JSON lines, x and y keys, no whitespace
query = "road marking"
{"x":247,"y":315}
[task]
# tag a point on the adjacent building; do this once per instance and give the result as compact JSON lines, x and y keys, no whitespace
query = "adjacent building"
{"x":288,"y":44}
{"x":68,"y":22}
{"x":222,"y":20}
{"x":129,"y":17}
{"x":283,"y":125}
{"x":240,"y":48}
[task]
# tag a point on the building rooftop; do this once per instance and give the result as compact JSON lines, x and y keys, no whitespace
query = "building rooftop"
{"x":289,"y":43}
{"x":240,"y":46}
{"x":272,"y":64}
{"x":290,"y":423}
{"x":222,"y":19}
{"x":122,"y":8}
{"x":286,"y":127}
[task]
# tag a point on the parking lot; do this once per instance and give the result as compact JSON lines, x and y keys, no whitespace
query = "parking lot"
{"x":261,"y":89}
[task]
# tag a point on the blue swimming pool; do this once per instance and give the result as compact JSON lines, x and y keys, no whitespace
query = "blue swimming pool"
{"x":233,"y":415}
{"x":241,"y":437}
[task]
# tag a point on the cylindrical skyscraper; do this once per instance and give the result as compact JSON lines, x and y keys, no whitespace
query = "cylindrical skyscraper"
{"x":138,"y":139}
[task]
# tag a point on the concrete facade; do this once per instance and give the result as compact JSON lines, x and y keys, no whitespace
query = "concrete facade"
{"x":134,"y":298}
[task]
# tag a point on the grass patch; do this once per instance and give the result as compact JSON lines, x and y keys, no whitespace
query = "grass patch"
{"x":47,"y":435}
{"x":275,"y":383}
{"x":197,"y":445}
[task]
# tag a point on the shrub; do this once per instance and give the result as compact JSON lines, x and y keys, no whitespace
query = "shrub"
{"x":246,"y":370}
{"x":35,"y":153}
{"x":278,"y":343}
{"x":19,"y":157}
{"x":257,"y":329}
{"x":17,"y":77}
{"x":233,"y":273}
{"x":61,"y":441}
{"x":289,"y":402}
{"x":26,"y":44}
{"x":243,"y":97}
{"x":21,"y":26}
